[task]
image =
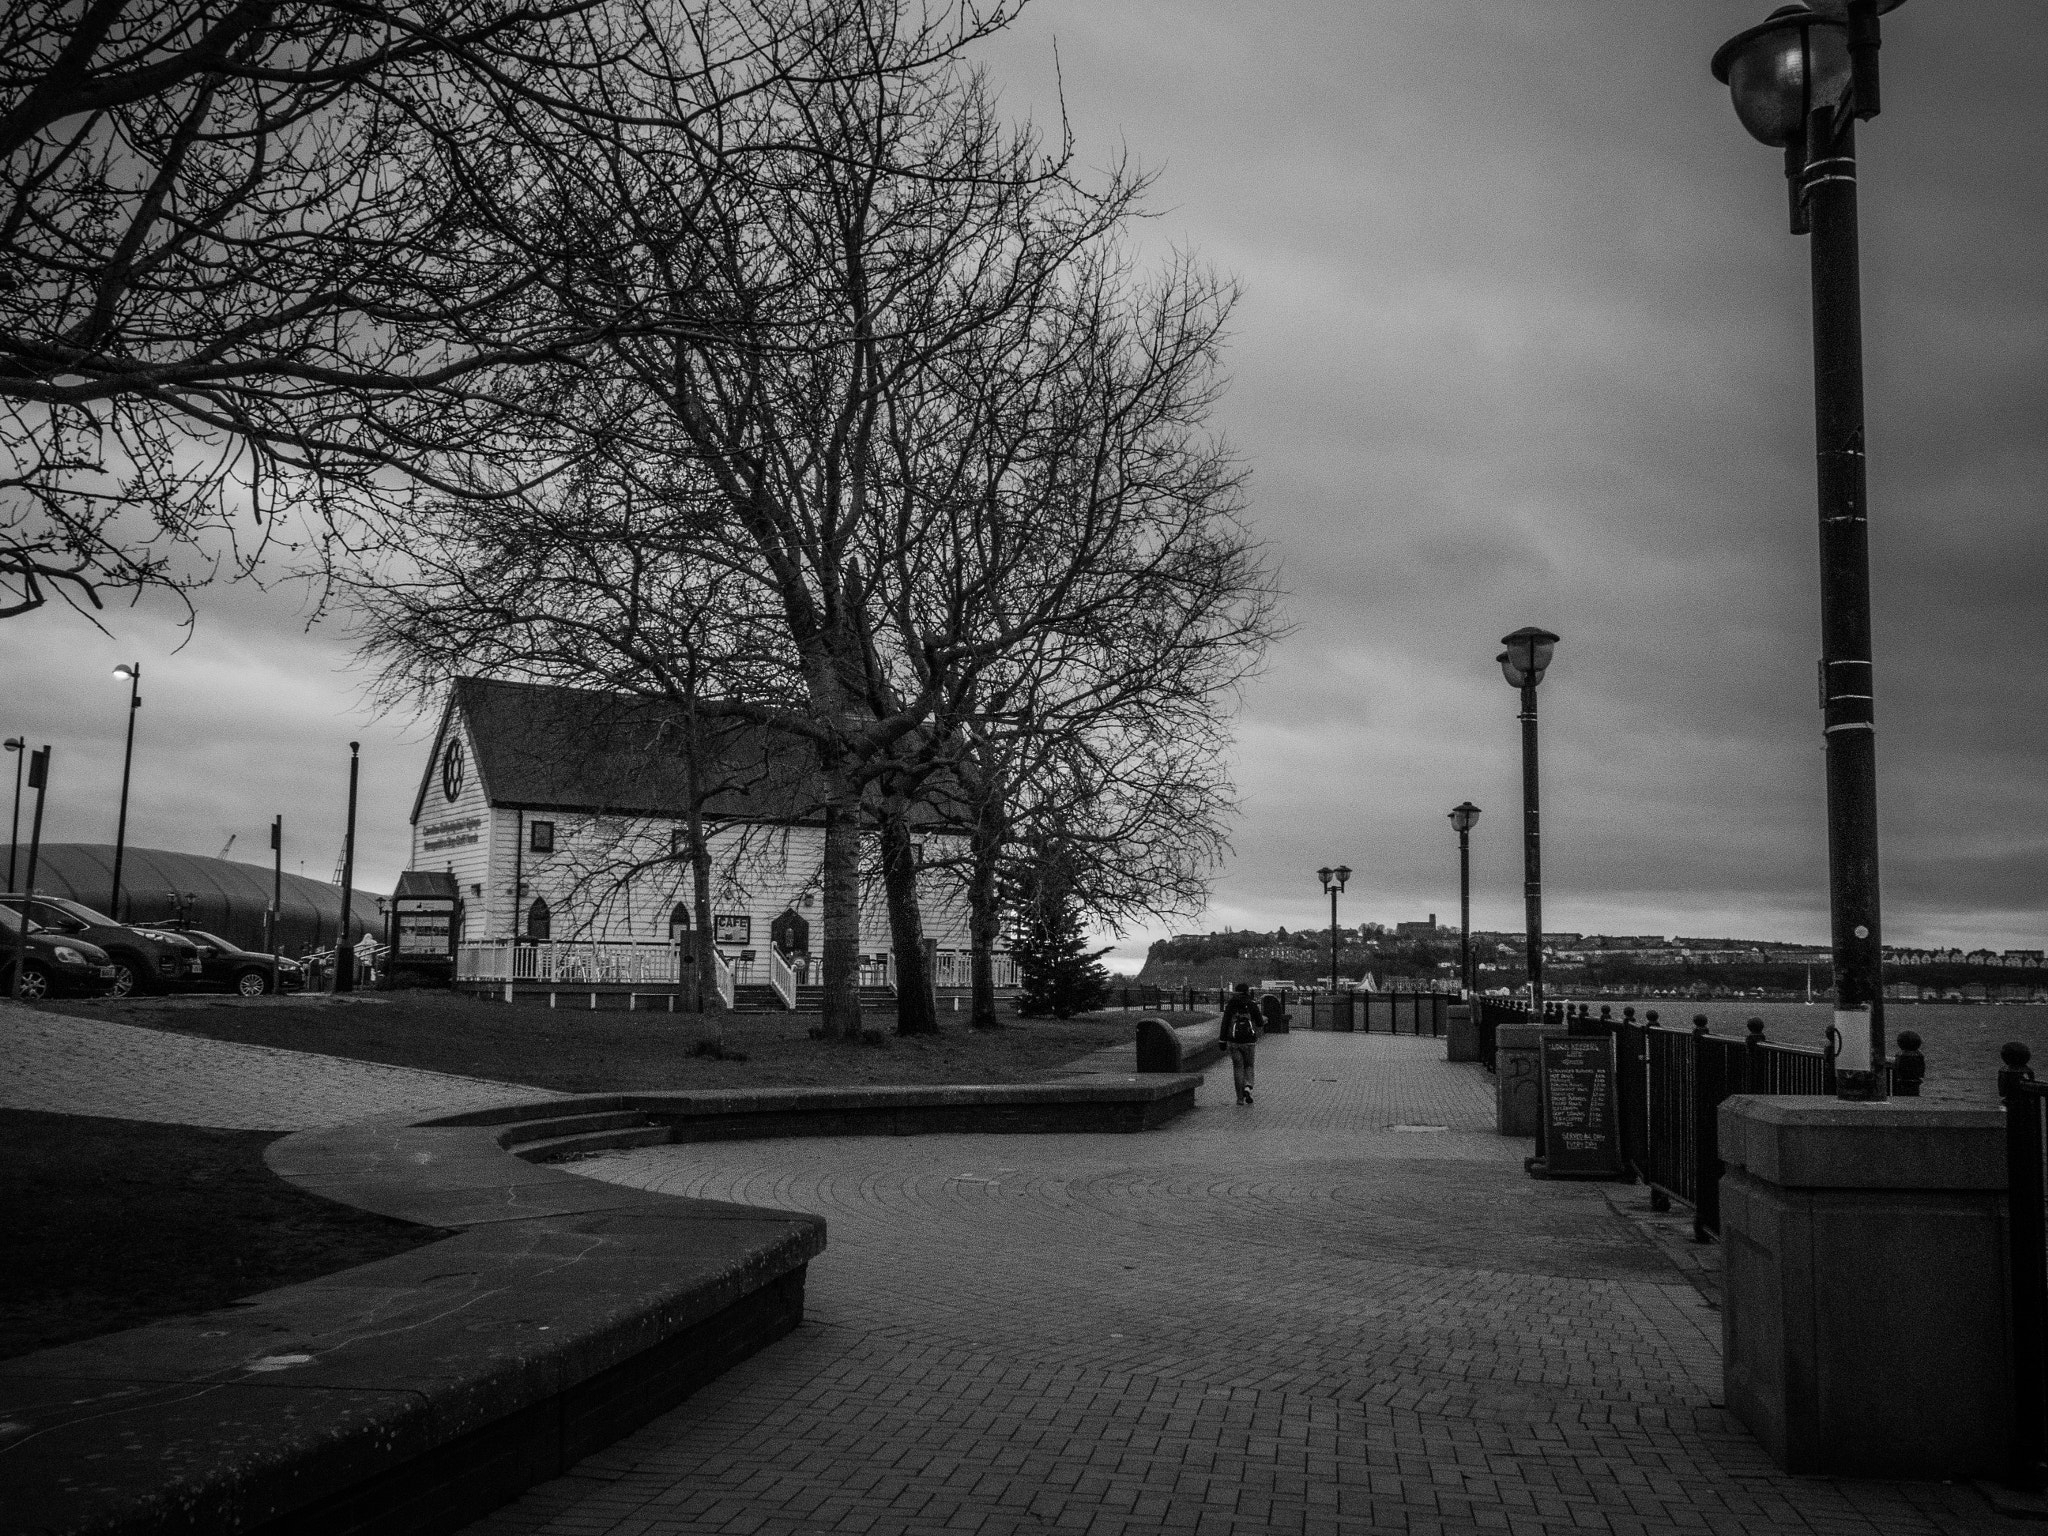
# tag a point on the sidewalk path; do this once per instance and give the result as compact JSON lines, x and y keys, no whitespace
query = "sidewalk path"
{"x":74,"y":1066}
{"x":1315,"y":1315}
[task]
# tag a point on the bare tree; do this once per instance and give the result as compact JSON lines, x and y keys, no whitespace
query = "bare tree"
{"x":252,"y":260}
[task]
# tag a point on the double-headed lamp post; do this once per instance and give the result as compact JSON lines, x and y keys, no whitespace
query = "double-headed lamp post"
{"x":1523,"y":663}
{"x":132,"y":670}
{"x":1333,"y":882}
{"x":1463,"y":819}
{"x":1799,"y":82}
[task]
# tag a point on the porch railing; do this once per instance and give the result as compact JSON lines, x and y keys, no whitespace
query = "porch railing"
{"x":722,"y":978}
{"x":569,"y":964}
{"x":781,"y":977}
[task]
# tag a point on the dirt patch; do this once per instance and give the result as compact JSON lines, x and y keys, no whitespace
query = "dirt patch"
{"x":114,"y":1223}
{"x":581,"y":1051}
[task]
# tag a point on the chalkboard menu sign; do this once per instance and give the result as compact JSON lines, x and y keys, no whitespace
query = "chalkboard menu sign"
{"x":1582,"y":1131}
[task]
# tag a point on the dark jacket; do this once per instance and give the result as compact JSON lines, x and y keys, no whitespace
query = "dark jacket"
{"x":1240,"y":1020}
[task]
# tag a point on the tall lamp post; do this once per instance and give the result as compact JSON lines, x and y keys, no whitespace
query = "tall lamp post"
{"x":1333,"y":882}
{"x":132,"y":670}
{"x":1464,"y":818}
{"x":1799,"y":82}
{"x":1528,"y":654}
{"x":344,"y":955}
{"x":18,"y":745}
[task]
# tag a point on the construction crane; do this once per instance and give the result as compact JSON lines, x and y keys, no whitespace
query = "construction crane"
{"x":224,"y":847}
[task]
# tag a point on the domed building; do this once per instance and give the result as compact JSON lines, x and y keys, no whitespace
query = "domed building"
{"x":219,"y":895}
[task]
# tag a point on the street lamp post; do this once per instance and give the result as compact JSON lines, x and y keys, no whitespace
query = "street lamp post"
{"x":1528,"y":653}
{"x":1464,"y":818}
{"x":1799,"y":82}
{"x":1333,"y":882}
{"x":344,"y":956}
{"x":18,"y":745}
{"x":132,"y":670}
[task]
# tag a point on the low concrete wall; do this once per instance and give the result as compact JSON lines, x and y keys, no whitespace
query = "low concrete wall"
{"x":415,"y":1394}
{"x":1864,"y":1318}
{"x":1165,"y":1047}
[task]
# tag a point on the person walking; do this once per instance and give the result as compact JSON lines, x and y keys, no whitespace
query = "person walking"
{"x":1241,"y":1037}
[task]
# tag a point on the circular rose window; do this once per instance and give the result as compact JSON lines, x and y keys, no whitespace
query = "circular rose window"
{"x":451,"y":770}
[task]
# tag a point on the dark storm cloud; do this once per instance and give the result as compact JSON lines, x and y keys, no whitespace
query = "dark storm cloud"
{"x":1524,"y":340}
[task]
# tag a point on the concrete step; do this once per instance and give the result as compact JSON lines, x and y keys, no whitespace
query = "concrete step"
{"x":550,"y":1139}
{"x":564,"y":1125}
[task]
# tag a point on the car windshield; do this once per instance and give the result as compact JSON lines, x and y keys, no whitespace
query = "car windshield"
{"x":82,"y":913}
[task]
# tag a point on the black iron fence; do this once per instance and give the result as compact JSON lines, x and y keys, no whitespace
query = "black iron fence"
{"x":2026,"y":1145}
{"x":1670,"y":1088}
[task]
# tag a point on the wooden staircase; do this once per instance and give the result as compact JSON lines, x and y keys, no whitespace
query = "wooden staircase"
{"x":758,"y":997}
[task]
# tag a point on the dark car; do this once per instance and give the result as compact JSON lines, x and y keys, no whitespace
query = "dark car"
{"x":240,"y":970}
{"x":146,"y":959}
{"x":54,"y":966}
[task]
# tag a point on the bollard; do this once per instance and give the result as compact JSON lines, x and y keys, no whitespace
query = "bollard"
{"x":2015,"y":1071}
{"x":1909,"y":1067}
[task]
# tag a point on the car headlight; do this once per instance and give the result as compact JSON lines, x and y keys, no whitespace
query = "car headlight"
{"x":66,"y":955}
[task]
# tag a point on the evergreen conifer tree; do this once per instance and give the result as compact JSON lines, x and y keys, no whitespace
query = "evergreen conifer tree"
{"x":1056,"y":971}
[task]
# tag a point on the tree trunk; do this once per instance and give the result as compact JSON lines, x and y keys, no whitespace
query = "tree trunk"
{"x":839,"y":958}
{"x":915,"y":1010}
{"x":984,"y":924}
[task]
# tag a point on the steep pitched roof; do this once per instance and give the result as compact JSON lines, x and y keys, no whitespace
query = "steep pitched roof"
{"x":545,"y":747}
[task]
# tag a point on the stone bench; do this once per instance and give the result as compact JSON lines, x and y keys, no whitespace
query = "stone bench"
{"x":1164,"y":1047}
{"x":419,"y":1392}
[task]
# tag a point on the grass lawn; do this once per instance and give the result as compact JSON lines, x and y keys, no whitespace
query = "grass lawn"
{"x":111,"y":1223}
{"x":579,"y":1051}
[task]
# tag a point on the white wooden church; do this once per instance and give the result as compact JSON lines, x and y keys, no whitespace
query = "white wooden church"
{"x":558,"y":815}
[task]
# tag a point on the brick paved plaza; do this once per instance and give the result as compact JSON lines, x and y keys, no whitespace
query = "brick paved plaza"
{"x":1344,"y":1310}
{"x":1308,"y":1316}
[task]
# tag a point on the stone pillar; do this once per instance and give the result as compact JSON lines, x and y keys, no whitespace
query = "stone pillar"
{"x":1864,"y":1320}
{"x":1461,"y":1032}
{"x":1517,"y":1083}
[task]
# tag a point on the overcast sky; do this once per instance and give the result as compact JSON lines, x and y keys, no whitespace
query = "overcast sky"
{"x":1525,"y":340}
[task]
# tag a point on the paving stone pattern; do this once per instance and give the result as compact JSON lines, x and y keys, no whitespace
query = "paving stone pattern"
{"x":1308,"y":1316}
{"x":75,"y":1066}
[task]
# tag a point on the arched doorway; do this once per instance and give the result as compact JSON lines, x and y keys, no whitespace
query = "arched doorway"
{"x":790,"y":934}
{"x":540,"y":923}
{"x":679,"y":922}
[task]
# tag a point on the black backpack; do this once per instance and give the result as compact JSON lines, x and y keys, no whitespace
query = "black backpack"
{"x":1241,"y":1019}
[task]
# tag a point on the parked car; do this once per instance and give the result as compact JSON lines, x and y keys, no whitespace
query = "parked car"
{"x":246,"y":971}
{"x":146,"y":959}
{"x":53,"y":966}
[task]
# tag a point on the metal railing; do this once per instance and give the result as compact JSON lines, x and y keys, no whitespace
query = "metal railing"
{"x":1669,"y":1092}
{"x":782,"y":978}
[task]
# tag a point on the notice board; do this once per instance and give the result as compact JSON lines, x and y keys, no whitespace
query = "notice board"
{"x":1581,"y":1122}
{"x":425,"y":927}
